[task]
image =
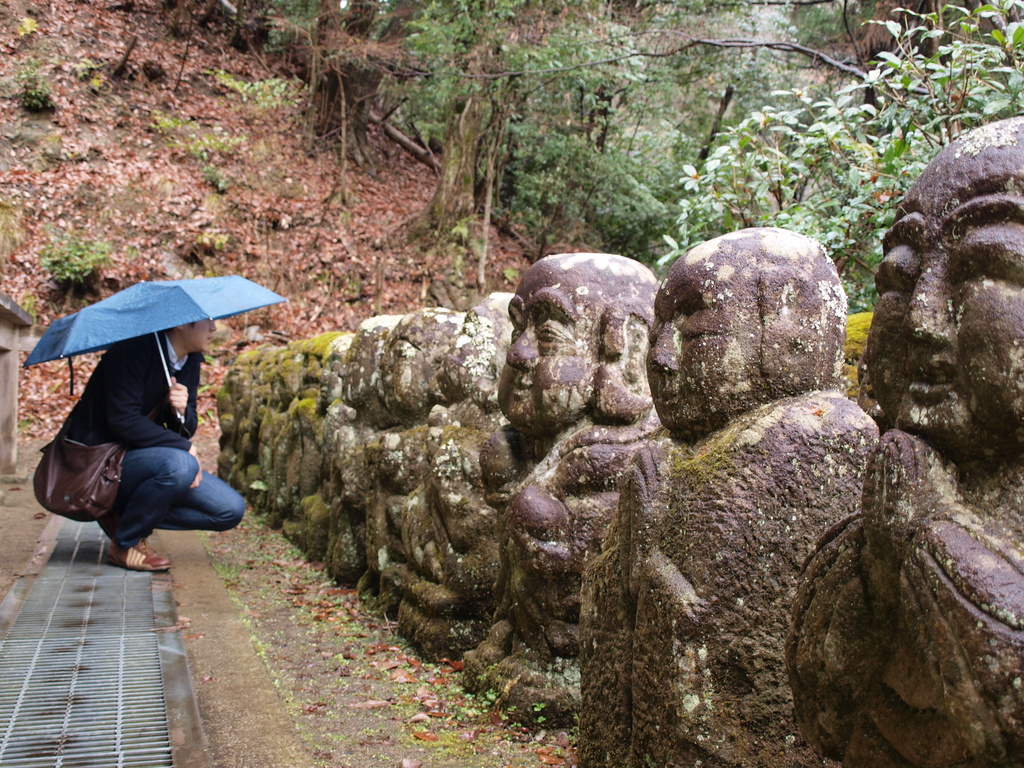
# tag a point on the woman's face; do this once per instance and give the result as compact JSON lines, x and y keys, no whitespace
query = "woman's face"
{"x":946,"y":351}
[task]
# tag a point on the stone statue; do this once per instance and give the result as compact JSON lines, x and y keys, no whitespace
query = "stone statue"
{"x":397,"y":461}
{"x":686,"y":611}
{"x":354,"y":416}
{"x":907,"y":646}
{"x":574,"y":389}
{"x":448,"y":527}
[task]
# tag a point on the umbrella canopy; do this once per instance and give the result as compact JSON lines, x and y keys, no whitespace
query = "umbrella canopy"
{"x":148,"y":307}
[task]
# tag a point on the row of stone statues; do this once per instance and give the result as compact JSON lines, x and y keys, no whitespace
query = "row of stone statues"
{"x":655,"y":500}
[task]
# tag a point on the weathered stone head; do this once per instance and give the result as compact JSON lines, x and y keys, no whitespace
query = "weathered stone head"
{"x":945,"y":354}
{"x":470,"y":369}
{"x":360,"y":372}
{"x":409,"y":361}
{"x":580,"y":321}
{"x":742,"y":320}
{"x":921,"y":665}
{"x":449,"y":530}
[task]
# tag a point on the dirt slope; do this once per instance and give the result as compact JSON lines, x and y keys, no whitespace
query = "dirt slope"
{"x":183,"y":167}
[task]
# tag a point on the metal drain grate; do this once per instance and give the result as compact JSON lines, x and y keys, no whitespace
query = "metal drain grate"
{"x":80,"y":674}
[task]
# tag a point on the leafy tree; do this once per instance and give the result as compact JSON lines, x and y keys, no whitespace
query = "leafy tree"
{"x":833,"y":167}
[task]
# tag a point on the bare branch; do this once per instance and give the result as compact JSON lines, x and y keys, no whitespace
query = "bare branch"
{"x":783,"y":46}
{"x":421,"y":153}
{"x":787,"y":48}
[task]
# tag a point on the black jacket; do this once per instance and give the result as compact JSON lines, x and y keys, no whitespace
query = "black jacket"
{"x":127,"y":386}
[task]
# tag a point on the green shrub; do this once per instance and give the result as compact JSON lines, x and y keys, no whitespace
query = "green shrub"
{"x":216,"y":179}
{"x":70,"y":259}
{"x":33,"y":89}
{"x":209,"y":144}
{"x":273,"y":93}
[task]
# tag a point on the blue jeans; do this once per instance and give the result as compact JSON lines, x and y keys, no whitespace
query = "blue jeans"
{"x":154,"y":493}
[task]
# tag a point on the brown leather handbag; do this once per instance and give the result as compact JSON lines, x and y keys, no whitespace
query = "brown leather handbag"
{"x":78,"y":481}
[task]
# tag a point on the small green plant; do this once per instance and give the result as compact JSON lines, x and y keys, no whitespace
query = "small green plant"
{"x":85,"y":68}
{"x":272,"y":93}
{"x":28,"y":302}
{"x":203,"y":147}
{"x":70,"y":259}
{"x":216,"y":179}
{"x":34,"y":89}
{"x":166,"y":124}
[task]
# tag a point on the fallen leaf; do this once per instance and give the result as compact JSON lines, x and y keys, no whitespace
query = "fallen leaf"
{"x":370,"y":704}
{"x":408,"y":762}
{"x":402,"y":676}
{"x":419,"y":717}
{"x":425,"y":735}
{"x":550,"y":759}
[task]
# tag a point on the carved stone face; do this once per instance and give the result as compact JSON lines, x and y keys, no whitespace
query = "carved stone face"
{"x":742,"y":320}
{"x":470,"y":369}
{"x":410,"y":359}
{"x":946,"y":350}
{"x":563,"y":332}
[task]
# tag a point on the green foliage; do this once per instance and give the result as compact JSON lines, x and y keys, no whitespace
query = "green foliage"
{"x":166,"y":124}
{"x":204,"y":146}
{"x":213,"y":241}
{"x":273,"y":93}
{"x":834,"y":167}
{"x":71,"y":259}
{"x":565,"y":188}
{"x":585,"y":156}
{"x":33,"y":89}
{"x":85,"y":69}
{"x":216,"y":179}
{"x":293,"y":23}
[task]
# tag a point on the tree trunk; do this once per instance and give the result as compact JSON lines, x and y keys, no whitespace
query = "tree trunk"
{"x":455,"y":197}
{"x":344,"y":87}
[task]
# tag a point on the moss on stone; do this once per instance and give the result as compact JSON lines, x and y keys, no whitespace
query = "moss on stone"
{"x":305,"y":409}
{"x":857,"y":327}
{"x":320,"y":346}
{"x":710,"y":460}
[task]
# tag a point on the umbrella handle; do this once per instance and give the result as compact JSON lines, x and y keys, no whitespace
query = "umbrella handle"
{"x":167,"y":371}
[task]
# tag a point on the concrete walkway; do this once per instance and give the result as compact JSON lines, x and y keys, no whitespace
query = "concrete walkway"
{"x":243,"y":720}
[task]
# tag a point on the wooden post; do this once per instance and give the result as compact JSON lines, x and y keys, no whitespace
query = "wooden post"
{"x":13,"y":319}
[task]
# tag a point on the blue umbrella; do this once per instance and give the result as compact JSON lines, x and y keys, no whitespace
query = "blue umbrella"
{"x":149,"y":307}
